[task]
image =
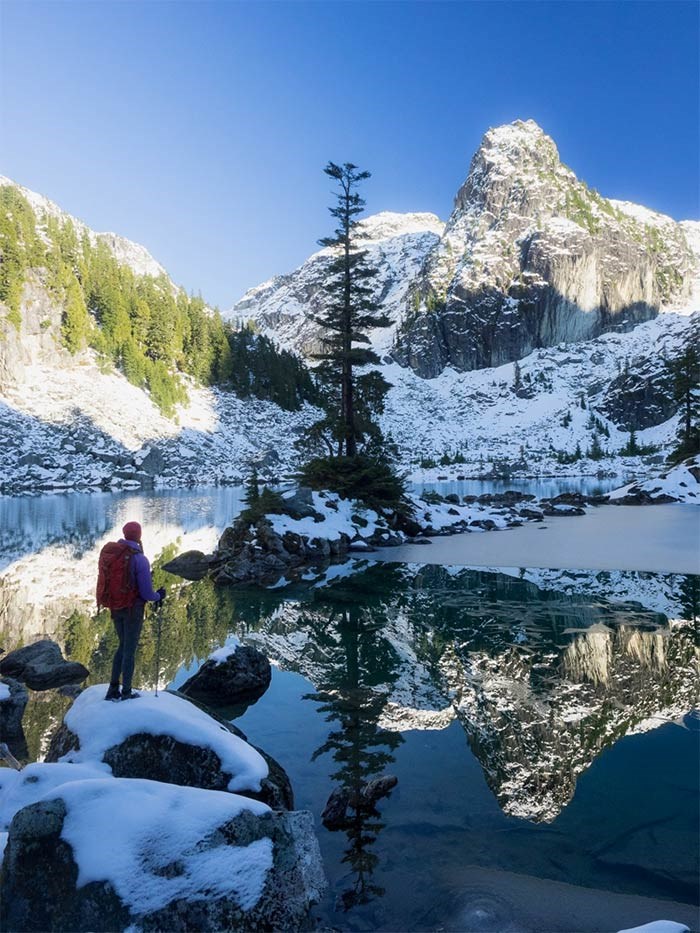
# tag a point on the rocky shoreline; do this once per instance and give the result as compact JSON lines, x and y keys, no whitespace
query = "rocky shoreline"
{"x":318,"y":529}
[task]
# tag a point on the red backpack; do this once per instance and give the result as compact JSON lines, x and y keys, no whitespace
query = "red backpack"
{"x":116,"y":588}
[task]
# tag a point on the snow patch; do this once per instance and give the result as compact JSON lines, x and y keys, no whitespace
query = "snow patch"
{"x":149,"y":826}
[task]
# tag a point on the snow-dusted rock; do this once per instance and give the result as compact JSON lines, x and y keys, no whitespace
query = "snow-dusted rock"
{"x":229,"y":676}
{"x":163,"y":738}
{"x":106,"y":854}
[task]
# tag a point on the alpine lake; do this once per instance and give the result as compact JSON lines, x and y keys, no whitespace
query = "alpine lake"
{"x":542,"y":724}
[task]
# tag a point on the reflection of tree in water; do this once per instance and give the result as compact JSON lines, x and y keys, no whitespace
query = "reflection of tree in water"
{"x":358,"y":659}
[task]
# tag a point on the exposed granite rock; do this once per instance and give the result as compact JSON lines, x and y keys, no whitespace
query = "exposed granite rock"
{"x":42,"y":666}
{"x":532,"y":257}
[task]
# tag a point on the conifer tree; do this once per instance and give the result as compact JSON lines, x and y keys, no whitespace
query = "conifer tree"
{"x":685,"y":374}
{"x":349,"y":315}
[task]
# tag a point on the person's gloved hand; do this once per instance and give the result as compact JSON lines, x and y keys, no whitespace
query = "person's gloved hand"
{"x":161,"y":595}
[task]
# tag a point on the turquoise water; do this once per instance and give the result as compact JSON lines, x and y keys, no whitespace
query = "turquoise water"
{"x":537,"y":721}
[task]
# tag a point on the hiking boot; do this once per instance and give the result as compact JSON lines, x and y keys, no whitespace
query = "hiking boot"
{"x":114,"y":692}
{"x":130,"y":695}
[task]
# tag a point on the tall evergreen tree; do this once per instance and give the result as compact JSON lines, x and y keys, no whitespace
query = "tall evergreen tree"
{"x":685,"y":373}
{"x":350,"y":313}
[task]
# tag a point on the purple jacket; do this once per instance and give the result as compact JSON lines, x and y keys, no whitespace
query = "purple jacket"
{"x":141,"y":573}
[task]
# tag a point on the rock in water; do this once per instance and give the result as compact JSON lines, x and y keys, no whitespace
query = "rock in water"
{"x":41,"y":666}
{"x":336,"y":809}
{"x":224,"y":862}
{"x":242,"y":676}
{"x":13,"y":699}
{"x":190,"y":565}
{"x":377,"y":788}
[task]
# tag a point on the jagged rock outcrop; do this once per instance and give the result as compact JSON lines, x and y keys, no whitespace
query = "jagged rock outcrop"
{"x":532,"y":257}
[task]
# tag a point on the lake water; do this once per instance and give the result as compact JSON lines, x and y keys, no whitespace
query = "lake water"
{"x":538,"y":721}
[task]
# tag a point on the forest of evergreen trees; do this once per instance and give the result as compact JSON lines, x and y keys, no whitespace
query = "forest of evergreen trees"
{"x":149,"y":330}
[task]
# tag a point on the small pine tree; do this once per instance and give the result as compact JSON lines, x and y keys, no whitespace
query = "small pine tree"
{"x":251,"y":496}
{"x":595,"y":451}
{"x":685,"y":374}
{"x":582,"y":401}
{"x":631,"y":448}
{"x":517,"y":378}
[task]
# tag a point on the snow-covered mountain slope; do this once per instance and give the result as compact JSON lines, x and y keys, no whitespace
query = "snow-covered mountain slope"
{"x":126,"y":252}
{"x":396,"y":245}
{"x":483,"y":416}
{"x":69,"y":420}
{"x":61,"y":428}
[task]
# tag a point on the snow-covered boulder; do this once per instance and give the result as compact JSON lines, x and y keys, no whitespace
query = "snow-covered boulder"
{"x":679,"y":484}
{"x":164,"y":738}
{"x":20,"y":789}
{"x":108,"y":853}
{"x":42,"y":666}
{"x":232,"y":674}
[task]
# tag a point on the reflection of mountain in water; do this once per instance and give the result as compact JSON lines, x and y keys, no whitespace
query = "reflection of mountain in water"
{"x":541,"y":681}
{"x":542,"y":668}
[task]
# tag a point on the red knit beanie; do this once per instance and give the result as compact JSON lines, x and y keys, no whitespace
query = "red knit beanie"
{"x":132,"y":531}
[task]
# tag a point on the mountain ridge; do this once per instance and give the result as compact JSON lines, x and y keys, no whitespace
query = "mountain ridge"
{"x":530,"y":256}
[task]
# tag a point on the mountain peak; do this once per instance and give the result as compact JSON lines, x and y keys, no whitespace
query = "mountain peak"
{"x":518,"y":153}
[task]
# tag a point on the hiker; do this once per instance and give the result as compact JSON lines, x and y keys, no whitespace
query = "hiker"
{"x":124,"y":586}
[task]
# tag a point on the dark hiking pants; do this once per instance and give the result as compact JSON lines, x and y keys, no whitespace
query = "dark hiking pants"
{"x":128,"y":623}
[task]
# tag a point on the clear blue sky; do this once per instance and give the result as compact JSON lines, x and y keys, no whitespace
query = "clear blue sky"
{"x":201,"y":129}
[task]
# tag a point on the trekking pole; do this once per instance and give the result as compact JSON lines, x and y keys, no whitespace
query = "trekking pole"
{"x":159,"y":613}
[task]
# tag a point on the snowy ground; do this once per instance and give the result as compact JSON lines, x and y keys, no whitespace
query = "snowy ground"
{"x":479,"y":415}
{"x":659,"y":538}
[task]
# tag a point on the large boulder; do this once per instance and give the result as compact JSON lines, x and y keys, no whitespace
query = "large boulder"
{"x":170,"y":739}
{"x":41,"y":666}
{"x":230,"y":676}
{"x":114,"y":853}
{"x":13,"y":699}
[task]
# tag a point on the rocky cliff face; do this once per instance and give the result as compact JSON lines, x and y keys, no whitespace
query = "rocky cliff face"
{"x":531,"y":257}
